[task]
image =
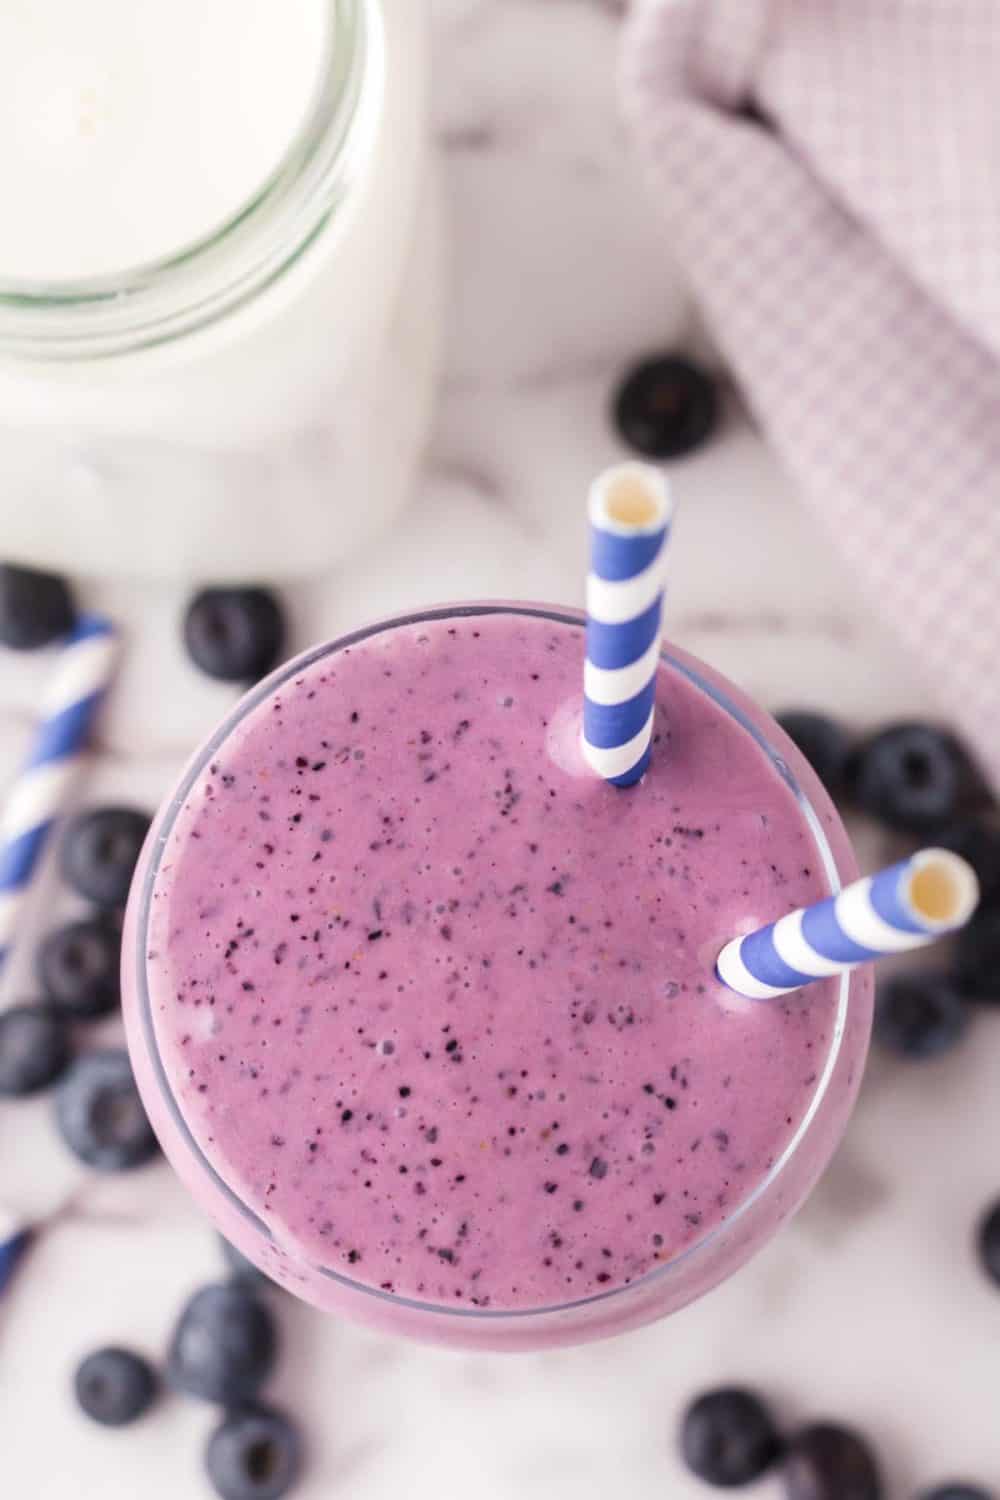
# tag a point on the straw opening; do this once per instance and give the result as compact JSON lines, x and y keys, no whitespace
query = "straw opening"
{"x":905,"y":906}
{"x":630,"y":498}
{"x":942,"y":889}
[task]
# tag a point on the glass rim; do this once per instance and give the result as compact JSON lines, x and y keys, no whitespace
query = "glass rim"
{"x":141,"y":306}
{"x":165,"y":827}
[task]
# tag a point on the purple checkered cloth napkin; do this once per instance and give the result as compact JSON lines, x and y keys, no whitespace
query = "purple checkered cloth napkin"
{"x":829,"y":175}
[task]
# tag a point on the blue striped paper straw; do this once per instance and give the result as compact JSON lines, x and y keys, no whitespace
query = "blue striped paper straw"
{"x":629,"y":511}
{"x":31,"y":807}
{"x":905,"y":906}
{"x":14,"y":1240}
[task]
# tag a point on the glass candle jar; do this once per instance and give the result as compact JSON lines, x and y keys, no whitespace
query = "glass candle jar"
{"x":424,"y":1014}
{"x":218,"y":308}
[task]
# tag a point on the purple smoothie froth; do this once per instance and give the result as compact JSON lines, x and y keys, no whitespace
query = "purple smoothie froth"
{"x":439,"y":1006}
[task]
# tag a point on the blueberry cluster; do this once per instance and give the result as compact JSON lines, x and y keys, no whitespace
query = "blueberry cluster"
{"x":97,"y":1106}
{"x":222,"y":1350}
{"x":917,"y":781}
{"x":232,"y":634}
{"x":98,"y":1110}
{"x":225,"y":1343}
{"x":729,"y":1438}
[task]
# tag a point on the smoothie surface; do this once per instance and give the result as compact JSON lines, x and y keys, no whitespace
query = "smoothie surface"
{"x":439,"y":1005}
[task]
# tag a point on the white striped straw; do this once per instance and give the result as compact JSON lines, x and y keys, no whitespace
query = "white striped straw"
{"x":905,"y":906}
{"x":629,"y":511}
{"x":33,"y":802}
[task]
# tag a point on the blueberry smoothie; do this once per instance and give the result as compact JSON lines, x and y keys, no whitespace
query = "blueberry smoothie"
{"x":426,"y":1014}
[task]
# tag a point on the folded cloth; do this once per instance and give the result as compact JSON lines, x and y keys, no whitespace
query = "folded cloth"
{"x":830,"y":175}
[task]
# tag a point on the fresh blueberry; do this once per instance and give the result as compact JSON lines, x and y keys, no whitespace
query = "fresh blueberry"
{"x":979,"y":843}
{"x":99,"y":853}
{"x":822,"y":742}
{"x":957,"y":1492}
{"x":78,"y":966}
{"x":255,"y":1455}
{"x":665,"y":407}
{"x":115,"y":1386}
{"x":35,"y":608}
{"x":100,"y":1114}
{"x":988,"y":1242}
{"x":240,"y":1267}
{"x":919,"y":1015}
{"x":977,"y":958}
{"x":234,"y":634}
{"x":224,"y":1345}
{"x":728,"y":1437}
{"x":826,"y":1462}
{"x":911,"y":777}
{"x":34,"y":1049}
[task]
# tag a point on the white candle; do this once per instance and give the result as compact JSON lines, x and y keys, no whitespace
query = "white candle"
{"x":130,"y":129}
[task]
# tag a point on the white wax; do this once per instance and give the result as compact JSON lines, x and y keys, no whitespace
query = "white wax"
{"x":131,"y":128}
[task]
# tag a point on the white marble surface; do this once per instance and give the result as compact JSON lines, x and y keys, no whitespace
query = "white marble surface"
{"x":869,"y":1307}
